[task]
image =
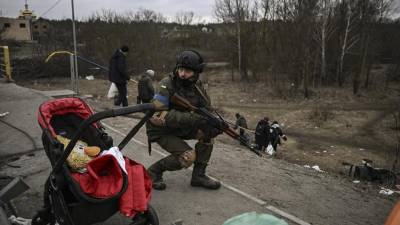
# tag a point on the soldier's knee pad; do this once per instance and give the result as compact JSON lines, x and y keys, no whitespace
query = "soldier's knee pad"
{"x":204,"y":146}
{"x":187,"y":158}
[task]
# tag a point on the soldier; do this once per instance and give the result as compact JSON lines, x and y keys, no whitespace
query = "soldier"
{"x":145,"y":87}
{"x":171,"y":127}
{"x":241,"y":123}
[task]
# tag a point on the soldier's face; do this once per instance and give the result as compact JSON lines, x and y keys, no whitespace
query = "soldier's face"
{"x":184,"y":73}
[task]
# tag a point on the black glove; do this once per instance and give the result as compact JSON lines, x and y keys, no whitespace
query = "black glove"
{"x":215,"y":123}
{"x":213,"y":132}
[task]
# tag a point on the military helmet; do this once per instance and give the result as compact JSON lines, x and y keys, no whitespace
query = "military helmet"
{"x":190,"y":59}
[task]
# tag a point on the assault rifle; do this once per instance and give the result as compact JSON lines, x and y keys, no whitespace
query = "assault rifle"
{"x":217,"y":122}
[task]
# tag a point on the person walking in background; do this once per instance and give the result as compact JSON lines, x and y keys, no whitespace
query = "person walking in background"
{"x":262,"y":134}
{"x":276,"y":135}
{"x":241,"y":123}
{"x":145,"y":87}
{"x":118,"y":75}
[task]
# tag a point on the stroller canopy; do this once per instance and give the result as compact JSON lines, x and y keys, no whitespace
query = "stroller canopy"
{"x":61,"y":107}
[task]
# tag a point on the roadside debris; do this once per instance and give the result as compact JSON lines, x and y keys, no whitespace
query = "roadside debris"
{"x":177,"y":222}
{"x":386,"y":191}
{"x":356,"y":181}
{"x":254,"y":218}
{"x":90,"y":77}
{"x":365,"y":171}
{"x":316,"y":167}
{"x":19,"y":220}
{"x":4,"y":114}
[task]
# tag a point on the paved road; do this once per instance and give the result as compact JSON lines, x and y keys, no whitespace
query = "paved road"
{"x":318,"y":198}
{"x":20,"y":157}
{"x":21,"y":104}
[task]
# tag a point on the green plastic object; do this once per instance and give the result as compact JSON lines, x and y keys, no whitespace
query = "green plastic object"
{"x":253,"y":218}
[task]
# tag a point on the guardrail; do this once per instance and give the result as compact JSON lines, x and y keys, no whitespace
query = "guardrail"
{"x":74,"y":77}
{"x":5,"y":64}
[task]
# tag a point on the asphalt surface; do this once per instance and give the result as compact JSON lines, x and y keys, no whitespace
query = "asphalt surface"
{"x":22,"y":155}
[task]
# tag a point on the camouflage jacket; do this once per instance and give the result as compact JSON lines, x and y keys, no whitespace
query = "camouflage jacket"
{"x":178,"y":121}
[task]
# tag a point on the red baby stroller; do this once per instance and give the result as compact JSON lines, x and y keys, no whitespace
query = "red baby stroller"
{"x":65,"y":202}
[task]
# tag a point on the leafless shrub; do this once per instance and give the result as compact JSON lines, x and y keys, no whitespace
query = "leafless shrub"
{"x":396,"y":117}
{"x":320,"y":114}
{"x":184,"y":17}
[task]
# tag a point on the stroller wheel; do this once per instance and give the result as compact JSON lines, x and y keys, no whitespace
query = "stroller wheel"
{"x":151,"y":215}
{"x":147,"y":218}
{"x":42,"y":217}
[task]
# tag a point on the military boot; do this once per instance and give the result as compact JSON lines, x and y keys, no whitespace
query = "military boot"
{"x":169,"y":163}
{"x":200,"y":179}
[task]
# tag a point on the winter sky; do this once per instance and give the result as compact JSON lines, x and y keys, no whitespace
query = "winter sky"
{"x":84,"y":8}
{"x":61,"y":9}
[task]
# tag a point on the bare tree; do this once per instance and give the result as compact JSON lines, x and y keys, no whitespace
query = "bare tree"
{"x":108,"y":16}
{"x":347,"y":38}
{"x":305,"y":14}
{"x":296,"y":51}
{"x":140,"y":30}
{"x":147,"y":15}
{"x":323,"y":32}
{"x":370,"y":13}
{"x":184,"y":17}
{"x":381,"y":10}
{"x":396,"y":116}
{"x":241,"y":15}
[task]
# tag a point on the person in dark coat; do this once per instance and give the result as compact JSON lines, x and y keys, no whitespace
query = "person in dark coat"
{"x":145,"y":87}
{"x":118,"y":75}
{"x":262,"y":134}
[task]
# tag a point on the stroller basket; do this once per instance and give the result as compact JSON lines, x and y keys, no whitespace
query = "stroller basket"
{"x":64,"y":200}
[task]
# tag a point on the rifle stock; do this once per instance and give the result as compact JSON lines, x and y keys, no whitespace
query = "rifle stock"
{"x":182,"y":102}
{"x":223,"y":126}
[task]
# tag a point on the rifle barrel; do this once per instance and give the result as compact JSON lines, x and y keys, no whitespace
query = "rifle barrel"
{"x":224,"y":127}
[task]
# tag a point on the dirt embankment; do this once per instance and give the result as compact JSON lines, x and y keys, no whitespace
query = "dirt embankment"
{"x":322,"y":131}
{"x":331,"y":127}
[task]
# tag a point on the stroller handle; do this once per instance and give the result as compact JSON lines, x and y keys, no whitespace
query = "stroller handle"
{"x":149,"y":108}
